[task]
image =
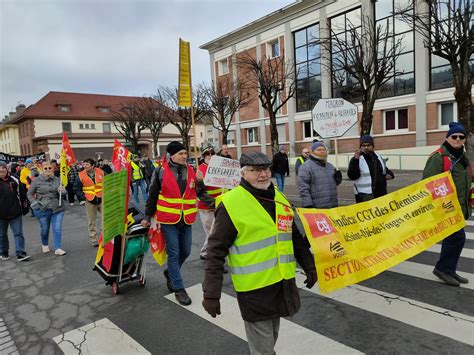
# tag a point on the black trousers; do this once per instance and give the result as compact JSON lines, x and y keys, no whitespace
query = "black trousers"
{"x":451,"y":251}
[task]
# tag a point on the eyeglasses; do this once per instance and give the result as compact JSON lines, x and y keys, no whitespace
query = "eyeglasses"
{"x":305,"y":153}
{"x":258,"y":170}
{"x":456,"y":137}
{"x":48,"y":168}
{"x":209,"y":153}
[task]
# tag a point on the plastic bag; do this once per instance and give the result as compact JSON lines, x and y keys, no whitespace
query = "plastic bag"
{"x":135,"y":247}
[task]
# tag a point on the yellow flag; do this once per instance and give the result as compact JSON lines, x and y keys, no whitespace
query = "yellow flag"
{"x":184,"y":88}
{"x":64,"y":168}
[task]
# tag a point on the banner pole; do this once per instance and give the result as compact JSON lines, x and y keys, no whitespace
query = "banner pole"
{"x":60,"y":185}
{"x":192,"y":107}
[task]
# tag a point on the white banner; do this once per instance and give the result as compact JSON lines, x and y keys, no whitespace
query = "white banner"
{"x":223,"y":172}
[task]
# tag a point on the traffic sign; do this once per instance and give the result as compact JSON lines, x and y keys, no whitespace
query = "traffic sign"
{"x":332,"y":118}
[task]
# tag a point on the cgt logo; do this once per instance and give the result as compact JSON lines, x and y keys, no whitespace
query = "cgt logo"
{"x":440,"y":188}
{"x":319,"y":224}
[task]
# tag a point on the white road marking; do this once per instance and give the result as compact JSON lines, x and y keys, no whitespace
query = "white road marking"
{"x":100,"y":337}
{"x":423,"y":271}
{"x":469,"y":223}
{"x":292,"y":338}
{"x":418,"y":314}
{"x":470,"y":235}
{"x":466,"y":253}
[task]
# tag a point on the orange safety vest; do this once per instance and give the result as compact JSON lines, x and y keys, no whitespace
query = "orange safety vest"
{"x":210,"y":190}
{"x":90,"y":188}
{"x":170,"y":205}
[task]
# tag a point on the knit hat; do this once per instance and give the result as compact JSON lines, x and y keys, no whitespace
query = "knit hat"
{"x":316,"y":145}
{"x":366,"y":139}
{"x":254,"y":159}
{"x":174,"y":147}
{"x":282,"y":147}
{"x":455,"y":127}
{"x":28,"y":161}
{"x":2,"y":163}
{"x":207,"y":149}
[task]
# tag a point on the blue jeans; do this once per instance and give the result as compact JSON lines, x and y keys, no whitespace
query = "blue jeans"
{"x":55,"y":220}
{"x":16,"y":226}
{"x":136,"y":184}
{"x":178,"y":247}
{"x":280,"y":179}
{"x":451,"y":251}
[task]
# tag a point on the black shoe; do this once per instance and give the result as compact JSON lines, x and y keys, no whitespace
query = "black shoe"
{"x":22,"y":257}
{"x":4,"y":257}
{"x":202,"y":257}
{"x":182,"y":297}
{"x":447,"y":279}
{"x":461,"y":279}
{"x":168,"y":281}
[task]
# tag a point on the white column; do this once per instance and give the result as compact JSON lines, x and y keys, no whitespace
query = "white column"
{"x":422,"y":67}
{"x":291,"y":103}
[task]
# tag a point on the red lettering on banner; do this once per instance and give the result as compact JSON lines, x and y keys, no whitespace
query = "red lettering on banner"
{"x":440,"y":187}
{"x":319,"y":224}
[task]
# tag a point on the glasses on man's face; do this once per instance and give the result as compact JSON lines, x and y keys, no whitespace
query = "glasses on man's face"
{"x":259,"y":170}
{"x":456,"y":137}
{"x":305,"y":153}
{"x":206,"y":154}
{"x":48,"y":168}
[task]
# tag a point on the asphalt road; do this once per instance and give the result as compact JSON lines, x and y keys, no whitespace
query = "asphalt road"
{"x":404,"y":310}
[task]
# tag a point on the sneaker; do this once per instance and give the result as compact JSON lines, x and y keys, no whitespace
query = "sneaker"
{"x":182,"y":297}
{"x":71,"y":204}
{"x":447,"y":279}
{"x":22,"y":257}
{"x":460,"y":279}
{"x":4,"y":257}
{"x":95,"y":244}
{"x":59,"y":252}
{"x":45,"y":248}
{"x":82,"y":203}
{"x":168,"y":281}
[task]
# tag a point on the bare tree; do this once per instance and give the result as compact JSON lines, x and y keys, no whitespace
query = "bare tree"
{"x":362,"y":63}
{"x":273,"y":79}
{"x":223,"y":99}
{"x":154,"y":116}
{"x":128,"y":121}
{"x":178,"y":116}
{"x":447,"y":29}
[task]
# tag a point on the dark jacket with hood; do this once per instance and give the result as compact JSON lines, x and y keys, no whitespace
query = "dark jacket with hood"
{"x":12,"y":198}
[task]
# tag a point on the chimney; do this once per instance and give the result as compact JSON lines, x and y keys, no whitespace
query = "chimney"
{"x":20,"y":108}
{"x":12,"y":114}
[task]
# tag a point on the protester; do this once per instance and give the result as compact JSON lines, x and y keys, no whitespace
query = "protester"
{"x":12,"y":205}
{"x":451,"y":156}
{"x":318,"y":180}
{"x":301,"y":159}
{"x":72,"y":176}
{"x":173,"y":198}
{"x":368,"y":171}
{"x":89,"y":187}
{"x":253,"y":227}
{"x":138,"y":179}
{"x":206,"y":203}
{"x":55,"y":166}
{"x":104,"y":165}
{"x":45,"y":199}
{"x":28,"y":173}
{"x":148,"y":169}
{"x":224,"y":152}
{"x":280,"y":167}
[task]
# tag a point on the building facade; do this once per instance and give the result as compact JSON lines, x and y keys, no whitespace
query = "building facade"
{"x":414,"y":109}
{"x":88,"y":120}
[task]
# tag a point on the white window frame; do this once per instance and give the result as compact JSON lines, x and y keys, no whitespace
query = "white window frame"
{"x":81,"y":125}
{"x":270,"y":48}
{"x":86,"y":126}
{"x":223,"y":66}
{"x":231,"y":140}
{"x":396,"y":130}
{"x":455,"y":113}
{"x":312,"y":130}
{"x":282,"y":127}
{"x":92,"y":125}
{"x":252,"y":135}
{"x":106,"y":124}
{"x":103,"y":109}
{"x":64,"y":108}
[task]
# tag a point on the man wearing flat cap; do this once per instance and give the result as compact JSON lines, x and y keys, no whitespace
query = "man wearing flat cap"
{"x":450,"y":156}
{"x":255,"y":230}
{"x":172,"y":200}
{"x":368,"y":171}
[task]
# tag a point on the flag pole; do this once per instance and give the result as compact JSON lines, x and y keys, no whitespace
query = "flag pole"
{"x":192,"y":107}
{"x":60,"y":181}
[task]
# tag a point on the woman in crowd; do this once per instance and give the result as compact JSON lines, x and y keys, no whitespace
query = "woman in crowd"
{"x":44,"y":196}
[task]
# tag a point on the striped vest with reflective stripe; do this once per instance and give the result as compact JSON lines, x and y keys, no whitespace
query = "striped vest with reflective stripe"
{"x":137,"y":171}
{"x":89,"y":187}
{"x":262,"y":253}
{"x":170,"y":205}
{"x":364,"y":183}
{"x":210,"y":190}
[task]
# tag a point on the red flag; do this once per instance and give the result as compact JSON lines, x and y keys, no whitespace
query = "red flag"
{"x":120,"y":156}
{"x":157,"y":242}
{"x":70,"y":157}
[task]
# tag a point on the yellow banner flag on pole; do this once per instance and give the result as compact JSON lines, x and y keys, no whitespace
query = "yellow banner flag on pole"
{"x":64,"y":168}
{"x":184,"y":88}
{"x":354,"y":243}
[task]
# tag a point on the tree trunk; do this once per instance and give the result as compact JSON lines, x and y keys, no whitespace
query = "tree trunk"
{"x":366,"y":119}
{"x":465,"y":109}
{"x":273,"y":133}
{"x":155,"y":147}
{"x":224,"y":136}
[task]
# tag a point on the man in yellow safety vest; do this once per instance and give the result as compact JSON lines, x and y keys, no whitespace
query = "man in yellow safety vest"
{"x":255,"y":230}
{"x":138,"y":179}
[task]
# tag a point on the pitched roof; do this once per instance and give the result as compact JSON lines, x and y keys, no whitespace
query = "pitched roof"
{"x":81,"y":105}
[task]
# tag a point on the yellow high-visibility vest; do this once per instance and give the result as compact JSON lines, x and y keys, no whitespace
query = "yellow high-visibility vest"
{"x":137,"y":171}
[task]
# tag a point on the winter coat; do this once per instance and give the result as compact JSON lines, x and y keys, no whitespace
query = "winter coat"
{"x":280,"y":164}
{"x":317,"y":184}
{"x":299,"y":163}
{"x":12,"y":198}
{"x":460,"y":172}
{"x":278,"y":300}
{"x":44,"y":195}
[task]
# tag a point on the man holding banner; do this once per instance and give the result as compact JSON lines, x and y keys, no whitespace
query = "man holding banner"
{"x":451,"y":157}
{"x":254,"y":228}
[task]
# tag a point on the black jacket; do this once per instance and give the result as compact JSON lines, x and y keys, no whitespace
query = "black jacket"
{"x":280,"y":164}
{"x":12,"y":198}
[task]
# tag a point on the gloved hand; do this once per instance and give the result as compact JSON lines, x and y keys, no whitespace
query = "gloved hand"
{"x":338,"y":175}
{"x":311,"y":278}
{"x":212,"y":306}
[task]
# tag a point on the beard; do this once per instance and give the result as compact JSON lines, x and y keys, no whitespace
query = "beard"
{"x":261,"y":185}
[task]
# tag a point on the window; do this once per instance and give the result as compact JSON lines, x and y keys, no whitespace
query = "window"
{"x":64,"y":108}
{"x":231,"y":138}
{"x":67,"y":127}
{"x":398,"y":31}
{"x":201,"y":134}
{"x":223,"y":67}
{"x":396,"y":120}
{"x":92,"y":125}
{"x":273,"y":49}
{"x":81,"y":126}
{"x":307,"y":67}
{"x":87,"y":125}
{"x":278,"y":103}
{"x":106,"y":127}
{"x":447,"y":112}
{"x":103,"y":109}
{"x":252,"y":135}
{"x":281,"y":128}
{"x":308,"y":132}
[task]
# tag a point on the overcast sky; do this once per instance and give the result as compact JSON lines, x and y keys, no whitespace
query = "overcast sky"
{"x":116,"y":47}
